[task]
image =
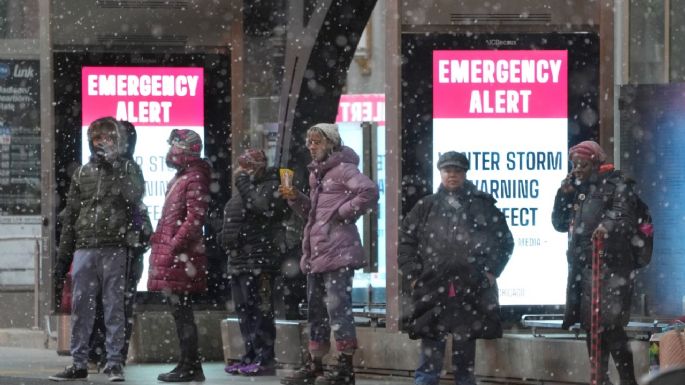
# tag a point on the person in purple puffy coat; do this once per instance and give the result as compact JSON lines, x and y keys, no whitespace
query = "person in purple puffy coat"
{"x":339,"y":194}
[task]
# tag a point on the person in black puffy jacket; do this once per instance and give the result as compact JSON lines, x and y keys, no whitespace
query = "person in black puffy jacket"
{"x":252,"y":218}
{"x":138,"y":241}
{"x":94,"y":229}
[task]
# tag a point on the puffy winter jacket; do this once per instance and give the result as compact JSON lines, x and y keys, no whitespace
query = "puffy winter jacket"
{"x":252,"y":223}
{"x":101,"y":198}
{"x":178,"y":262}
{"x":339,"y":194}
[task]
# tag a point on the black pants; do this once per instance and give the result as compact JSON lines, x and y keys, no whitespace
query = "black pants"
{"x":294,"y":285}
{"x":615,"y":341}
{"x":254,"y":304}
{"x":186,"y":330}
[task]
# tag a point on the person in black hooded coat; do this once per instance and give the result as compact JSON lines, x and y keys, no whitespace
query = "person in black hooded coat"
{"x":453,"y":246}
{"x":94,"y":241}
{"x":138,"y":239}
{"x":252,"y":220}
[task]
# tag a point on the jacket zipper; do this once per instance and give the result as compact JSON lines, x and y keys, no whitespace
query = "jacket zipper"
{"x":97,"y":199}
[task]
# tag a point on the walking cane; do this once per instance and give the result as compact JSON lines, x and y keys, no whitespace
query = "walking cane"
{"x":595,"y":338}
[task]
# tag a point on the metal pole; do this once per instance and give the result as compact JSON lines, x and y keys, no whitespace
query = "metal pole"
{"x":393,"y":165}
{"x":596,"y":377}
{"x":36,"y":285}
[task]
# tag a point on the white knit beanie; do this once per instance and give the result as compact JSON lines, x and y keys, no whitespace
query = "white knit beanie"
{"x":330,"y":131}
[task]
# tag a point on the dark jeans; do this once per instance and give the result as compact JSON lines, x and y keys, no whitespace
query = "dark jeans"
{"x":432,"y":355}
{"x":615,"y":341}
{"x":294,"y":284}
{"x":98,"y":270}
{"x":97,"y":338}
{"x":330,"y":307}
{"x":254,"y":304}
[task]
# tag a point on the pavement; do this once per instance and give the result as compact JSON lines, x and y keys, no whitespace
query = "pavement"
{"x":33,"y":366}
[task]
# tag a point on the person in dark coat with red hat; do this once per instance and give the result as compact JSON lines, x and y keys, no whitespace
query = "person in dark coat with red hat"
{"x":178,"y":262}
{"x":596,"y":200}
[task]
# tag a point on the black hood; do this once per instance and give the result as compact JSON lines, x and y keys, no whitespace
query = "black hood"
{"x":113,"y":128}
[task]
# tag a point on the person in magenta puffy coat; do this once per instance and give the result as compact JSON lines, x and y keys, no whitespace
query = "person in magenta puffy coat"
{"x":331,"y":250}
{"x":178,"y":262}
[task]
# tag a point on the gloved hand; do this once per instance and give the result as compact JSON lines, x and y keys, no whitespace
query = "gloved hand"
{"x":59,"y":274}
{"x":106,"y":151}
{"x":99,"y":150}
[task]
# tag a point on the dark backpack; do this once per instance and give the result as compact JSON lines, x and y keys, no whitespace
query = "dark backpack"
{"x":642,"y":242}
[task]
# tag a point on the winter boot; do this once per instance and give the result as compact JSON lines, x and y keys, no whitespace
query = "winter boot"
{"x":307,"y":374}
{"x":340,"y":374}
{"x":176,"y":369}
{"x":179,"y":365}
{"x":188,"y":369}
{"x":186,"y":373}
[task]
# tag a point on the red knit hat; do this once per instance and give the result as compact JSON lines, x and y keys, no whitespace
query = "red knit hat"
{"x":588,"y":150}
{"x":187,"y":141}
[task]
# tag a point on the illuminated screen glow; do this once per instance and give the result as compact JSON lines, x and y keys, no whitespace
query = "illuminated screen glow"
{"x":353,"y":109}
{"x":156,"y":100}
{"x":508,"y":111}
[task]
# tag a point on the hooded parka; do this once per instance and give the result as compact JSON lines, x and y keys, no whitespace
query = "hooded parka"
{"x":101,"y":197}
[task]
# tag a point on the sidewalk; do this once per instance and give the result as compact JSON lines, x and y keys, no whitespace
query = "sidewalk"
{"x":30,"y":366}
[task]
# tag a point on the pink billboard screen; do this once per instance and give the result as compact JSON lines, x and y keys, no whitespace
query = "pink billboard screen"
{"x":144,"y":95}
{"x":500,"y":84}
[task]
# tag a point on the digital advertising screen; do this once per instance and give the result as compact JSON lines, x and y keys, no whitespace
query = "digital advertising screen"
{"x":507,"y":111}
{"x":652,"y":138}
{"x":353,"y":109}
{"x":155,"y":100}
{"x":513,"y":103}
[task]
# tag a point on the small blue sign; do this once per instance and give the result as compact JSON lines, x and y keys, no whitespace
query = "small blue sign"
{"x":4,"y":70}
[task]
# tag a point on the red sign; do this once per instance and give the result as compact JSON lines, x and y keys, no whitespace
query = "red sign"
{"x":500,"y":84}
{"x":361,"y":108}
{"x":150,"y":96}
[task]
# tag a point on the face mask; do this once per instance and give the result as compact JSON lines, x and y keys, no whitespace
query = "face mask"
{"x":172,"y":160}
